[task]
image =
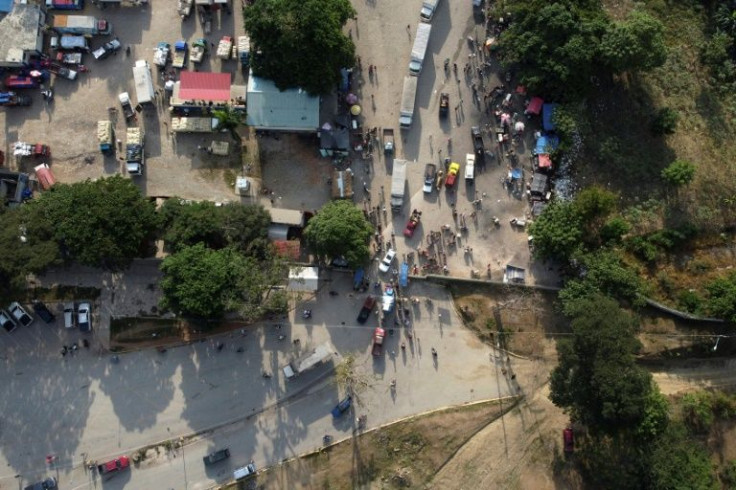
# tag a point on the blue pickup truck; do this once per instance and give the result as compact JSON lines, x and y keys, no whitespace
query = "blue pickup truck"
{"x":342,"y":407}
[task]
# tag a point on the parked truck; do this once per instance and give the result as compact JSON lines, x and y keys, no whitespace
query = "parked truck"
{"x":144,"y":90}
{"x":365,"y":312}
{"x":428,"y":9}
{"x":199,"y":49}
{"x":216,"y":456}
{"x":419,"y":50}
{"x":161,"y":54}
{"x":378,"y":336}
{"x":128,"y":112}
{"x":105,"y":134}
{"x":83,"y":25}
{"x":398,"y":183}
{"x":244,"y":50}
{"x":320,"y":354}
{"x":65,"y":4}
{"x":134,"y":153}
{"x":387,"y":137}
{"x":408,"y":98}
{"x":74,"y":43}
{"x":180,"y":54}
{"x":114,"y":465}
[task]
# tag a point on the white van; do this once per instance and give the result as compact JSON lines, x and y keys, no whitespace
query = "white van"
{"x":245,"y":471}
{"x":469,"y":167}
{"x":143,"y":82}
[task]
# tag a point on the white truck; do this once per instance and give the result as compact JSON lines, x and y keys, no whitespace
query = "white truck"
{"x":419,"y":50}
{"x":398,"y":184}
{"x":469,"y":167}
{"x":134,"y":154}
{"x":428,"y":9}
{"x":144,"y":90}
{"x":320,"y":354}
{"x":408,"y":99}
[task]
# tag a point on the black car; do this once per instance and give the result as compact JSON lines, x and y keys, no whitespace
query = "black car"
{"x":47,"y":484}
{"x":106,"y":49}
{"x":42,"y":311}
{"x":216,"y":456}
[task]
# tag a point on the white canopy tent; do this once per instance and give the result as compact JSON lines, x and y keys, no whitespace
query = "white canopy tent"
{"x":303,"y":279}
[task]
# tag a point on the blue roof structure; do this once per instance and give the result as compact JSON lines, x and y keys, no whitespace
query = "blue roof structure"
{"x":6,"y":6}
{"x":547,"y":111}
{"x":288,"y":110}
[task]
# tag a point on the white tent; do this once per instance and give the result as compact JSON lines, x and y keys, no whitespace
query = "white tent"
{"x":303,"y":279}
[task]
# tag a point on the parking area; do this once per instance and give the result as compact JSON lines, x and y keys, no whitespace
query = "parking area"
{"x":384,"y":34}
{"x":174,"y":164}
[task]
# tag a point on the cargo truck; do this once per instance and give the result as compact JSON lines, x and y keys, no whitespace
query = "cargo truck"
{"x":74,"y":43}
{"x":180,"y":54}
{"x":194,"y":124}
{"x":105,"y":134}
{"x":428,"y":9}
{"x":83,"y":25}
{"x":419,"y":50}
{"x":134,"y":153}
{"x":244,"y":50}
{"x":398,"y":183}
{"x":408,"y":98}
{"x":199,"y":48}
{"x":144,"y":90}
{"x":10,"y":99}
{"x":367,"y":309}
{"x":378,"y":335}
{"x":320,"y":354}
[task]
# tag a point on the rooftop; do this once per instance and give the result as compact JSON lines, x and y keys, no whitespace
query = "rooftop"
{"x":271,"y":108}
{"x":201,"y":85}
{"x":20,"y":32}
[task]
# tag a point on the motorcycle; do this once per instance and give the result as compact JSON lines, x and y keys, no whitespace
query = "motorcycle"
{"x":307,"y":314}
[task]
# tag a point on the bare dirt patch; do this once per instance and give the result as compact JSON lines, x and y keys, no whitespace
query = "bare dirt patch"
{"x":402,"y":455}
{"x":524,"y":318}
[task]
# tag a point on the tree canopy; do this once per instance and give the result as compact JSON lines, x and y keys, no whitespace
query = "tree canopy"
{"x":340,"y":230}
{"x":300,"y":43}
{"x":559,"y":47}
{"x":597,"y":379}
{"x":102,"y":223}
{"x":206,"y":283}
{"x":557,"y":232}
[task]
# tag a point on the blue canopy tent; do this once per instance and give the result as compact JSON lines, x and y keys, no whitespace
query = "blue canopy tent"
{"x":404,"y":275}
{"x":548,"y":111}
{"x":546,"y":144}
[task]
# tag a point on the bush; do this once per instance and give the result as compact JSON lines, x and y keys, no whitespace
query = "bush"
{"x":614,"y":229}
{"x":697,"y":412}
{"x":679,"y":173}
{"x":664,"y":122}
{"x":691,"y":302}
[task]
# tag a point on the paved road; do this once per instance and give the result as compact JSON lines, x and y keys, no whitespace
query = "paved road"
{"x":86,"y":404}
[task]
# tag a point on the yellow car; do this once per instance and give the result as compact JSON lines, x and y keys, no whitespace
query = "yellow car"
{"x":452,"y":174}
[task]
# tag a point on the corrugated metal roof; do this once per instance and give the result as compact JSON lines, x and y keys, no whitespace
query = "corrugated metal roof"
{"x":199,"y":85}
{"x":271,"y":108}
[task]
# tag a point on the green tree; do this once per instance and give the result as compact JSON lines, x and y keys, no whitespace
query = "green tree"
{"x":679,"y":173}
{"x":202,"y":282}
{"x":597,"y":378}
{"x":557,"y":232}
{"x":634,"y":44}
{"x":722,"y":297}
{"x":300,"y":43}
{"x":554,"y":46}
{"x":206,"y":283}
{"x":230,"y":119}
{"x":340,"y":230}
{"x":27,"y":245}
{"x":676,"y":461}
{"x":102,"y":223}
{"x":614,"y":229}
{"x":187,"y":223}
{"x":665,"y":121}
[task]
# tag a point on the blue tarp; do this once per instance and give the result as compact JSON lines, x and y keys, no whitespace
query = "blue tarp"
{"x":516,"y":173}
{"x":547,"y":112}
{"x":546,"y":144}
{"x":344,"y":80}
{"x":180,"y":45}
{"x":404,"y":275}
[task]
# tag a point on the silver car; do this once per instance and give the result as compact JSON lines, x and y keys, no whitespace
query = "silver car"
{"x":84,"y":320}
{"x":20,"y":314}
{"x":7,"y":322}
{"x":69,"y":315}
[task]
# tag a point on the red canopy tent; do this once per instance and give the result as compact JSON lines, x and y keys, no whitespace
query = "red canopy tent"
{"x":535,"y":106}
{"x":544,"y":161}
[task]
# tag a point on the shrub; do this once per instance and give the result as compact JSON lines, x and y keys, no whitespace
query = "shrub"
{"x":664,"y":122}
{"x":679,"y":173}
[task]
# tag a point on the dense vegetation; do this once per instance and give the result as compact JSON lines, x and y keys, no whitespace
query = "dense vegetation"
{"x":221,"y":258}
{"x":340,"y":230}
{"x":300,"y":43}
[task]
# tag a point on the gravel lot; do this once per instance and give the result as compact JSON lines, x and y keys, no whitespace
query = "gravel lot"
{"x":174,"y":166}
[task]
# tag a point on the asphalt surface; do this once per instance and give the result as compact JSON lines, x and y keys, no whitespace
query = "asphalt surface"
{"x":85,"y":405}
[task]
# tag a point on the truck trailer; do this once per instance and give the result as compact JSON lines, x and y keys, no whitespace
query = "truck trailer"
{"x":419,"y":50}
{"x":320,"y":354}
{"x":408,"y":99}
{"x":144,"y":90}
{"x":83,"y":25}
{"x":398,"y":183}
